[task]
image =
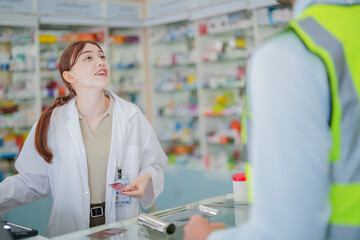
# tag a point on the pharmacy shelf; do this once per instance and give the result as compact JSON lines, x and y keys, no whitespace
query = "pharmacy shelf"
{"x":127,"y":64}
{"x":222,"y":70}
{"x":226,"y":60}
{"x":179,"y":142}
{"x":124,"y":67}
{"x":19,"y":107}
{"x":172,"y":91}
{"x":175,"y":116}
{"x":222,"y":115}
{"x":182,"y":40}
{"x":221,"y":46}
{"x":182,"y":65}
{"x":174,"y":83}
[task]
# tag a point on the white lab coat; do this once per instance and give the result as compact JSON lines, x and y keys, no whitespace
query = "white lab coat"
{"x":134,"y":148}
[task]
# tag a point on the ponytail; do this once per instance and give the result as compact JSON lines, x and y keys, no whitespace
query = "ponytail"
{"x":42,"y":128}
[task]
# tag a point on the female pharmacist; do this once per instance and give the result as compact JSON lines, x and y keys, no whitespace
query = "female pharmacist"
{"x":80,"y":145}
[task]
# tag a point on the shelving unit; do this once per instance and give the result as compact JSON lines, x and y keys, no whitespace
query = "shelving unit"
{"x":17,"y":87}
{"x":174,"y":81}
{"x":126,"y":58}
{"x":218,"y":55}
{"x":226,"y":41}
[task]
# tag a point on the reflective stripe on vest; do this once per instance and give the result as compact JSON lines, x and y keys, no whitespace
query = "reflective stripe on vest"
{"x":245,"y":122}
{"x":248,"y":171}
{"x":333,"y":33}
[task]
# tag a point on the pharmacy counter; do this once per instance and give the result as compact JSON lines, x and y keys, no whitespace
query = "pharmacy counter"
{"x":229,"y":213}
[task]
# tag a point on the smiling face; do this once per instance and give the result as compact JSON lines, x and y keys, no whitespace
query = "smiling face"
{"x":91,"y":70}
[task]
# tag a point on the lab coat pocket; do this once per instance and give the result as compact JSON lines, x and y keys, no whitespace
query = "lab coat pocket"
{"x":130,"y":164}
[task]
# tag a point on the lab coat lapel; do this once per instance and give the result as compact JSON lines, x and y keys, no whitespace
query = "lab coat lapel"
{"x":73,"y":125}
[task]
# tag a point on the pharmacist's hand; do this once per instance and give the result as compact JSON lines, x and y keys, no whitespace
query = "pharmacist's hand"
{"x":199,"y":229}
{"x":137,"y":187}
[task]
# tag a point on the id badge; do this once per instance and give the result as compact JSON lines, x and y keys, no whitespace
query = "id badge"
{"x":122,"y":199}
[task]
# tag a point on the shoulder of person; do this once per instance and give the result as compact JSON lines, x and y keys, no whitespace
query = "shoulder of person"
{"x":285,"y":46}
{"x":130,"y":109}
{"x":119,"y":102}
{"x":61,"y":114}
{"x":63,"y":111}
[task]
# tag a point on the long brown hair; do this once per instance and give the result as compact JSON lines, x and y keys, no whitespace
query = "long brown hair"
{"x":67,"y":60}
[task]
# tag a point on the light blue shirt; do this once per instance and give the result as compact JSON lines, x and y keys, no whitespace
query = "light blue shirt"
{"x":290,"y":140}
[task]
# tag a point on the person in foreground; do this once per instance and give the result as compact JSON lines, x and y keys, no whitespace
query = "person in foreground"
{"x":80,"y":145}
{"x":303,"y":131}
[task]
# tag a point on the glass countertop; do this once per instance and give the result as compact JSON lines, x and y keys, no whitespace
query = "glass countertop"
{"x":230,"y":213}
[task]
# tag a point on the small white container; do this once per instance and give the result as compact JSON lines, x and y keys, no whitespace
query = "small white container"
{"x":240,"y":187}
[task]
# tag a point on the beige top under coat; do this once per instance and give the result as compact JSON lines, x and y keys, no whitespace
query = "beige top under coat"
{"x":97,"y":146}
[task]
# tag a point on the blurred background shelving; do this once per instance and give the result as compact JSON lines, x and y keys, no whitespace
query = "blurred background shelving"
{"x":175,"y":99}
{"x":127,"y":61}
{"x":225,"y":40}
{"x":17,"y":89}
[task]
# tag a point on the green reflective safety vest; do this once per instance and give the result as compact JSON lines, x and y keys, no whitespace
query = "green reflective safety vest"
{"x":332,"y":32}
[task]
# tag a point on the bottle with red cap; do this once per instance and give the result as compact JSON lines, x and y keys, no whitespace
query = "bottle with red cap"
{"x":240,"y":187}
